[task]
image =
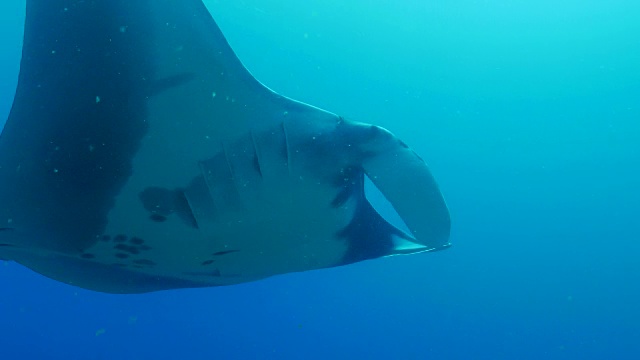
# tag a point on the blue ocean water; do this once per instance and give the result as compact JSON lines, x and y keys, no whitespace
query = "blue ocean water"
{"x":528,"y":114}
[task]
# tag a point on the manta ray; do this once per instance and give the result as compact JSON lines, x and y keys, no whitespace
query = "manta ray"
{"x":141,"y":155}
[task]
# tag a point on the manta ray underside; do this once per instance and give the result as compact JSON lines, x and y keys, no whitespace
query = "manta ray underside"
{"x":141,"y":155}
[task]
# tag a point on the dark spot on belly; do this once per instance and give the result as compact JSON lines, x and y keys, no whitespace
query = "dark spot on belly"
{"x":120,"y":238}
{"x":6,"y":245}
{"x":128,"y":248}
{"x":224,"y":252}
{"x":162,"y":203}
{"x":208,"y":262}
{"x":136,"y":241}
{"x":122,"y":256}
{"x":158,"y":218}
{"x":87,"y":256}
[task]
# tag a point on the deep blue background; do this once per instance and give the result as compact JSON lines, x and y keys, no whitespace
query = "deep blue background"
{"x":528,"y":114}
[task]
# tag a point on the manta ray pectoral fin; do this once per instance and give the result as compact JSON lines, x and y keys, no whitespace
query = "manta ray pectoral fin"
{"x":141,"y":155}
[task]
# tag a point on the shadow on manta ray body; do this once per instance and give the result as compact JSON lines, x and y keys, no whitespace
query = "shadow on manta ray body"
{"x":140,"y":155}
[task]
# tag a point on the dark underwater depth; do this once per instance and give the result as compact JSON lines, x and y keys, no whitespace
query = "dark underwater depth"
{"x":528,"y":115}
